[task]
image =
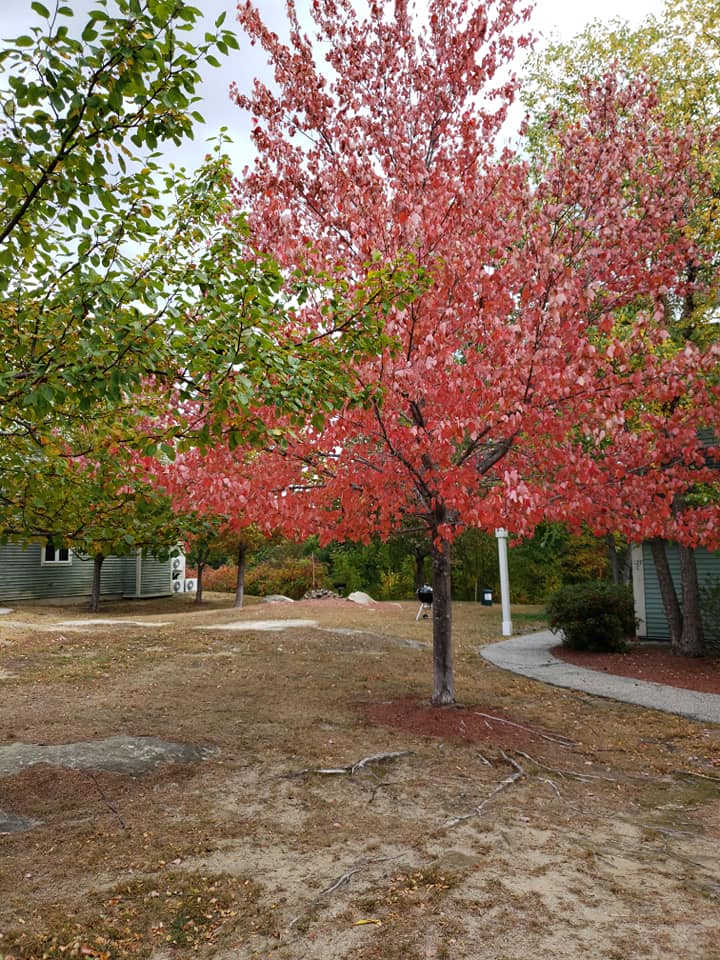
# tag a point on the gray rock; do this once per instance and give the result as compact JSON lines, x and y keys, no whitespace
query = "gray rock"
{"x":357,"y":596}
{"x":121,"y":754}
{"x":9,"y":823}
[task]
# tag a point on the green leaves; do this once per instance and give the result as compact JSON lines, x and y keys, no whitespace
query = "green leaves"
{"x":135,"y":316}
{"x":88,"y":282}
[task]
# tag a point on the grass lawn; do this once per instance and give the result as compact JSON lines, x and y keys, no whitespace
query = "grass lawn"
{"x":336,"y":814}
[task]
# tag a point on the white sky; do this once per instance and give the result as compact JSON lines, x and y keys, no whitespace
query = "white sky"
{"x":564,"y":17}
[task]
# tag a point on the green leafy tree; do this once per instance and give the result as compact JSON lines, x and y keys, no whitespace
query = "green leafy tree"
{"x":97,"y":270}
{"x":84,"y":315}
{"x":412,"y":543}
{"x":97,"y":507}
{"x":134,"y":311}
{"x":475,"y":564}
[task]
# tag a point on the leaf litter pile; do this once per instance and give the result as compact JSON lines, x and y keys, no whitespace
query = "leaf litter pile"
{"x":337,"y":814}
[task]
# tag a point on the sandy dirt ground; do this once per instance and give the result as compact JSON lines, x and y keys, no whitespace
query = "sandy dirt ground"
{"x":325,"y":811}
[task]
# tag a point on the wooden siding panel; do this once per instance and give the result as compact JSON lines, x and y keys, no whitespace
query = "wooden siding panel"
{"x":23,"y":577}
{"x":708,"y":565}
{"x":657,"y":628}
{"x":156,"y":577}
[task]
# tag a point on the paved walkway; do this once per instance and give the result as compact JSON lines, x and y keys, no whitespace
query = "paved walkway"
{"x":530,"y":656}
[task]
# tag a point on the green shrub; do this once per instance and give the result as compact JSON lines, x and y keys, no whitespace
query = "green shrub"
{"x":593,"y":616}
{"x":710,"y":610}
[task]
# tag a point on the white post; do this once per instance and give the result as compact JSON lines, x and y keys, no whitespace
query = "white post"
{"x":502,"y":536}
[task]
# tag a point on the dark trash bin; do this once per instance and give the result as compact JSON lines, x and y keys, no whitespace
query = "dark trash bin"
{"x":487,"y":597}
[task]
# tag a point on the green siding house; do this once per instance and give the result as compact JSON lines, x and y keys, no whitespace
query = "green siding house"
{"x":649,"y":609}
{"x":40,"y":572}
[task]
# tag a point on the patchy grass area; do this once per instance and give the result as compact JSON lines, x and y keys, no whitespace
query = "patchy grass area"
{"x":528,"y":821}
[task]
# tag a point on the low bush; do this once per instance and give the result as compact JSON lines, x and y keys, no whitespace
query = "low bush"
{"x":291,"y":578}
{"x":710,"y":610}
{"x":222,"y":580}
{"x":593,"y":616}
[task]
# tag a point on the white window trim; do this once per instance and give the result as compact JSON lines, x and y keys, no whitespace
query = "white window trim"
{"x":44,"y":562}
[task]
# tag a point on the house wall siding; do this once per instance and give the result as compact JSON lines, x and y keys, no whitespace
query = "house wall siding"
{"x":708,"y":566}
{"x":24,"y":577}
{"x":156,"y":577}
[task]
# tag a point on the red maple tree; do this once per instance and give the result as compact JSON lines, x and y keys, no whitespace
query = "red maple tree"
{"x":520,"y":382}
{"x":221,"y":495}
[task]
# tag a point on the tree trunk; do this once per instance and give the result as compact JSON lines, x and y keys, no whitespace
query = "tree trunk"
{"x":198,"y":591}
{"x":613,"y":555}
{"x":240,"y":582}
{"x":627,"y":567}
{"x":94,"y":605}
{"x":669,"y":596}
{"x":685,"y":622}
{"x":419,"y":569}
{"x":692,"y":637}
{"x":443,"y":680}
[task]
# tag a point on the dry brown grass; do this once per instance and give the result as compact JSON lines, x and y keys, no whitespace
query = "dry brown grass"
{"x":605,"y":847}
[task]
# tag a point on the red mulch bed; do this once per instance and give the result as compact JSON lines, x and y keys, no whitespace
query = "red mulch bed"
{"x":459,"y":723}
{"x":651,"y":661}
{"x":654,"y":662}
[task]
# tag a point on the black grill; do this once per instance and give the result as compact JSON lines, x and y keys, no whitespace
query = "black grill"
{"x":424,"y":594}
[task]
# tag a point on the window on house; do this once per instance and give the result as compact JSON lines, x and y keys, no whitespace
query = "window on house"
{"x":52,"y":554}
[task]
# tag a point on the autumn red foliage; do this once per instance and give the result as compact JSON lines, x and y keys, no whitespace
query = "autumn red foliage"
{"x":224,"y":496}
{"x":521,"y":382}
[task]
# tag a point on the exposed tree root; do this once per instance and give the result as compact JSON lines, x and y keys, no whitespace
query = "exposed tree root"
{"x":352,"y":768}
{"x":519,"y":774}
{"x":572,"y":774}
{"x":552,"y":785}
{"x":553,"y":738}
{"x":694,"y":773}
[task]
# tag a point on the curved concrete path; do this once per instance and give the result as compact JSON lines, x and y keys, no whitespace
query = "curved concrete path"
{"x":530,"y":656}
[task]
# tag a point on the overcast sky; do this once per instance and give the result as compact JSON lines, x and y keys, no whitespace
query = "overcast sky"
{"x":564,"y":17}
